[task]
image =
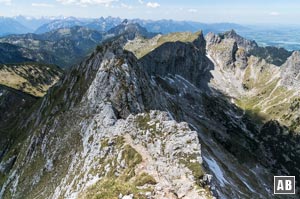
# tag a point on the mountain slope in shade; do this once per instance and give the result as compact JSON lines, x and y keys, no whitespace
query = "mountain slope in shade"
{"x":21,"y":86}
{"x":15,"y":54}
{"x":13,"y":104}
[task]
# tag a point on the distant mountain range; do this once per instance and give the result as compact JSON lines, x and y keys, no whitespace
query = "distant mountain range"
{"x":11,"y":26}
{"x":101,"y":24}
{"x":46,"y":24}
{"x":286,"y":36}
{"x":63,"y":47}
{"x":160,"y":26}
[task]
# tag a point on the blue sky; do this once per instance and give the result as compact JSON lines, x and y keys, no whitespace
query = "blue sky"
{"x":238,"y":11}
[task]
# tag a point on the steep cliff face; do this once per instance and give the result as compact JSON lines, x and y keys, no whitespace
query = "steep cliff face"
{"x":290,"y":71}
{"x":84,"y":141}
{"x":270,"y":54}
{"x":177,"y":53}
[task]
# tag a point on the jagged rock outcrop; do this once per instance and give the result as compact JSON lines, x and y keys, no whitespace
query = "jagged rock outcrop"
{"x":223,"y":50}
{"x":241,"y":42}
{"x":161,"y":164}
{"x":250,"y":82}
{"x":179,"y":53}
{"x":290,"y":71}
{"x":272,"y":55}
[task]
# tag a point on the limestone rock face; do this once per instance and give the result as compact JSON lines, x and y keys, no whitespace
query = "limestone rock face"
{"x":222,"y":50}
{"x":241,"y":42}
{"x":290,"y":71}
{"x":187,"y":59}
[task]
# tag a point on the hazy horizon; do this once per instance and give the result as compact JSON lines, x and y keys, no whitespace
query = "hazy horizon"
{"x":256,"y":12}
{"x":258,"y":24}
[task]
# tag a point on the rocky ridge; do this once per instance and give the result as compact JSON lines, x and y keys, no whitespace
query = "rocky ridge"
{"x":113,"y":147}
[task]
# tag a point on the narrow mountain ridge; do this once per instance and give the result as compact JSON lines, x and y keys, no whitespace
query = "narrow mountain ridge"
{"x":86,"y":120}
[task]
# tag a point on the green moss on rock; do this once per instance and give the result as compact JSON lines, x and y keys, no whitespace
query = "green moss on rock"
{"x":111,"y":189}
{"x":143,"y":179}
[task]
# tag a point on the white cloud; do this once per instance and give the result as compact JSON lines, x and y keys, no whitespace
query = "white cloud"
{"x":192,"y":10}
{"x":42,"y":5}
{"x":126,"y":6}
{"x":6,"y":2}
{"x":87,"y":2}
{"x":67,"y":1}
{"x":274,"y":13}
{"x":153,"y":4}
{"x":141,"y":1}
